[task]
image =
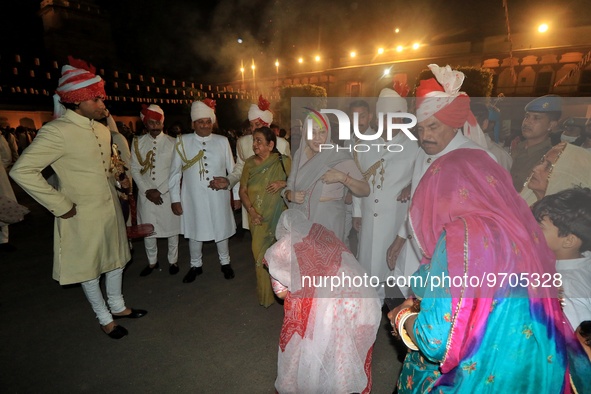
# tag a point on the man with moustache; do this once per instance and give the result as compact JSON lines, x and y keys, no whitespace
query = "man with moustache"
{"x":205,"y":213}
{"x":541,"y":116}
{"x":90,"y":236}
{"x":151,"y":155}
{"x":442,"y":112}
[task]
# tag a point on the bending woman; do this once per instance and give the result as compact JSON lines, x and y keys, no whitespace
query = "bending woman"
{"x":328,"y":330}
{"x":263,"y":177}
{"x":320,"y":177}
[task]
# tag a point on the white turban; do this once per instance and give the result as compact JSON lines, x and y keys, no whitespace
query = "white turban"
{"x":261,"y":110}
{"x":390,"y":101}
{"x":200,"y":110}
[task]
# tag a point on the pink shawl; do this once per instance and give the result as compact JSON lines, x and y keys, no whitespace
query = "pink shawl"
{"x":491,"y":234}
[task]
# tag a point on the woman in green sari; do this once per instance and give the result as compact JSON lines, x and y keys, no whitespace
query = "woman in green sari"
{"x":263,"y":177}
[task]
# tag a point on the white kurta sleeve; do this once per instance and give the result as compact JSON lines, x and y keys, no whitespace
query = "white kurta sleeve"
{"x":229,"y":158}
{"x":403,"y":231}
{"x":176,"y":174}
{"x":283,"y":147}
{"x":236,"y":173}
{"x":142,"y":186}
{"x":356,"y":207}
{"x":230,"y":168}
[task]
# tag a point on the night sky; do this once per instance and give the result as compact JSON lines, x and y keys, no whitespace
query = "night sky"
{"x":196,"y":38}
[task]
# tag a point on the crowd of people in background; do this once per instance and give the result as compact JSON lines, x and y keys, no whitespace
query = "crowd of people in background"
{"x":455,"y":201}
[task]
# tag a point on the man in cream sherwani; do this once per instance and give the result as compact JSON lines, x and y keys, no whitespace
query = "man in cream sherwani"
{"x":206,"y":214}
{"x":90,"y":236}
{"x":151,"y":156}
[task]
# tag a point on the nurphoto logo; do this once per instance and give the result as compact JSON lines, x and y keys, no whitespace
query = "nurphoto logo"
{"x":402,"y":121}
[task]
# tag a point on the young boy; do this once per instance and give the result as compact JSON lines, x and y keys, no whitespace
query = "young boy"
{"x":565,"y":219}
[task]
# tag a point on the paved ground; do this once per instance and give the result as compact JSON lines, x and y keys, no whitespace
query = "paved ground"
{"x":210,"y":336}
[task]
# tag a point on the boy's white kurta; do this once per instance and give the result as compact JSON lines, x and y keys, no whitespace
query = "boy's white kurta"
{"x":381,"y":214}
{"x":156,"y":176}
{"x":207,"y":213}
{"x":78,"y":149}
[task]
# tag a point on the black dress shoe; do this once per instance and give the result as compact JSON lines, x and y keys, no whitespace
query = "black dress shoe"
{"x":228,"y":271}
{"x":192,"y":274}
{"x":135,"y":314}
{"x":173,"y":269}
{"x":148,"y":270}
{"x":117,"y":332}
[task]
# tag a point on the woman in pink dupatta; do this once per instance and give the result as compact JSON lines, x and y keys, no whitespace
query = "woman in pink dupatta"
{"x":506,"y":334}
{"x":328,"y":333}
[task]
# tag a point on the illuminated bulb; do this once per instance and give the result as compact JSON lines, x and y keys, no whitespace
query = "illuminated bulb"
{"x":416,"y":46}
{"x":300,"y":60}
{"x":353,"y":54}
{"x":317,"y":58}
{"x":543,"y":28}
{"x":380,"y":51}
{"x":399,"y":48}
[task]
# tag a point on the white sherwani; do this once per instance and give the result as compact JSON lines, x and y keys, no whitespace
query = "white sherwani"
{"x":243,"y":152}
{"x":156,"y":172}
{"x":207,"y":213}
{"x":381,"y":215}
{"x":410,"y":255}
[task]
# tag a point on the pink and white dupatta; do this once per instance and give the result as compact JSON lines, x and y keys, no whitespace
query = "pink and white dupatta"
{"x":328,"y":333}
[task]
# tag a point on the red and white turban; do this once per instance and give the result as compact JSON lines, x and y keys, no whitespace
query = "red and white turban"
{"x":153,"y":112}
{"x":441,"y":98}
{"x":78,"y":83}
{"x":203,"y":109}
{"x":261,"y":111}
